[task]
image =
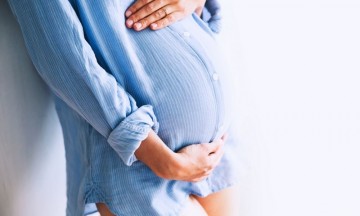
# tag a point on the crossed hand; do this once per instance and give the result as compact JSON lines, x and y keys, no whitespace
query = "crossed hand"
{"x":158,"y":14}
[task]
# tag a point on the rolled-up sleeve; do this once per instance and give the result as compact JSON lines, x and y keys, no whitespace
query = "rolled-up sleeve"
{"x":212,"y":15}
{"x":56,"y":44}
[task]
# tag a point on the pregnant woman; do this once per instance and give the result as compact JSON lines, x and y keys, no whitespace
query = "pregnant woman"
{"x":145,"y":117}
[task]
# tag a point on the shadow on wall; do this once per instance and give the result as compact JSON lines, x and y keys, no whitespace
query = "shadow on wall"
{"x":31,"y":150}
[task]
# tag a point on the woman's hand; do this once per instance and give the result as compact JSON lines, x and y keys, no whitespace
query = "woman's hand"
{"x":192,"y":163}
{"x":196,"y":162}
{"x":160,"y":13}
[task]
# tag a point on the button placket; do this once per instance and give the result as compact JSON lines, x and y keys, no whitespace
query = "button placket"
{"x":212,"y":74}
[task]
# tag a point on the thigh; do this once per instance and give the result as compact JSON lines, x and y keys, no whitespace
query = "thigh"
{"x":193,"y":208}
{"x":103,"y":210}
{"x":224,"y":202}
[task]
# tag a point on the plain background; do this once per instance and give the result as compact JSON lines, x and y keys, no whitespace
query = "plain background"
{"x":32,"y":158}
{"x":296,"y":65}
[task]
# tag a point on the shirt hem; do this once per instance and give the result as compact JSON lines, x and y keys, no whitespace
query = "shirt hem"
{"x":94,"y":195}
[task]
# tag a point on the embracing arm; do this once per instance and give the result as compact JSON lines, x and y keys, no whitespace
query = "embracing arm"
{"x":55,"y":41}
{"x":192,"y":163}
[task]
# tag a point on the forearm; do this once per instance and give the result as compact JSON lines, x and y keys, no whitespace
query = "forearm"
{"x":192,"y":163}
{"x":157,"y":155}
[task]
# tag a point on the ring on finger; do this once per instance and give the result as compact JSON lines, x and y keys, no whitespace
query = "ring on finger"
{"x":164,"y":11}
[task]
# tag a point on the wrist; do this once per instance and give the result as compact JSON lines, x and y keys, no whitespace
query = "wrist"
{"x":157,"y":156}
{"x":178,"y":165}
{"x":171,"y":166}
{"x":200,"y":7}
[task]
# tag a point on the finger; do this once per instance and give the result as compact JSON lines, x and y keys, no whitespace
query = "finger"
{"x":147,"y":10}
{"x":199,"y":175}
{"x":166,"y":21}
{"x":152,"y":18}
{"x":215,"y":158}
{"x":214,"y":146}
{"x":225,"y":136}
{"x":223,"y":140}
{"x":136,"y":6}
{"x":198,"y":179}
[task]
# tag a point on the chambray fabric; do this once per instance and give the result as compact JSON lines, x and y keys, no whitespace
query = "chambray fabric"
{"x":112,"y":85}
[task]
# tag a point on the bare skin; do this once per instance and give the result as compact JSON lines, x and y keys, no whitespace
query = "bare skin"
{"x":219,"y":203}
{"x":193,"y":208}
{"x":158,"y":14}
{"x":103,"y":209}
{"x":192,"y":163}
{"x":223,"y":203}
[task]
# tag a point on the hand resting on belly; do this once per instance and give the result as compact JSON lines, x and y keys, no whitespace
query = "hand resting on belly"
{"x":159,"y":14}
{"x":192,"y":163}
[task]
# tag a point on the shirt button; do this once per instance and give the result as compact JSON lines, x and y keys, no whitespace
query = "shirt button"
{"x":215,"y":76}
{"x":186,"y":34}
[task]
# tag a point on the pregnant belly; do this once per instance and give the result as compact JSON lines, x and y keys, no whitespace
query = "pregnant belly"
{"x":186,"y":95}
{"x":173,"y":69}
{"x":185,"y":105}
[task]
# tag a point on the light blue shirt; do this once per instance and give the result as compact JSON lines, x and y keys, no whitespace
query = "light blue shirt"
{"x":112,"y":85}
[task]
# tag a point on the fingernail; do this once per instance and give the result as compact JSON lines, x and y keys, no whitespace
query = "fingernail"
{"x":129,"y":23}
{"x":137,"y":26}
{"x":153,"y":25}
{"x":128,"y":13}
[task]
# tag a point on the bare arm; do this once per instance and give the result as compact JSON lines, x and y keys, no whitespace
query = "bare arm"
{"x":192,"y":163}
{"x":67,"y":63}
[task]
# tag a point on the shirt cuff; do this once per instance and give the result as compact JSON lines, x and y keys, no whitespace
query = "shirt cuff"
{"x":212,"y":15}
{"x":126,"y":138}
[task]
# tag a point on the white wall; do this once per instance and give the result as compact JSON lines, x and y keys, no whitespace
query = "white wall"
{"x":32,"y":165}
{"x":298,"y":69}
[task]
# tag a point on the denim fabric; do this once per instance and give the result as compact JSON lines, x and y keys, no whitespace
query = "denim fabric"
{"x":113,"y":85}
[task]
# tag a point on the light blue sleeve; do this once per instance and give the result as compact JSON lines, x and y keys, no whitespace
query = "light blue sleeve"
{"x":212,"y":15}
{"x":55,"y":41}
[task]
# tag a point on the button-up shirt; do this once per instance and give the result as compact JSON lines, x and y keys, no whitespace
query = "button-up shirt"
{"x":112,"y":85}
